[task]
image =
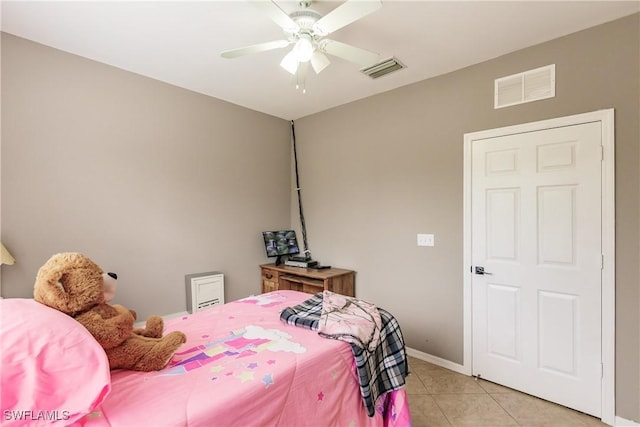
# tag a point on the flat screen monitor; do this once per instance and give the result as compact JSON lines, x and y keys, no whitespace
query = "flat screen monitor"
{"x":279,"y":243}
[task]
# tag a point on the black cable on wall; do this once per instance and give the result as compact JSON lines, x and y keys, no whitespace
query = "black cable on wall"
{"x":295,"y":161}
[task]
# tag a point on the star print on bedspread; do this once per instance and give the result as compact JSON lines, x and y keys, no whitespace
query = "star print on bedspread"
{"x":245,"y":376}
{"x":267,"y":380}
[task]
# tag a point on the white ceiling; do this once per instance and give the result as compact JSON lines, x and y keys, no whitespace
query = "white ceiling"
{"x":180,"y":42}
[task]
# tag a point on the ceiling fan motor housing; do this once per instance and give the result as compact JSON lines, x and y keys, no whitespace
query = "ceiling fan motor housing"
{"x":305,"y":19}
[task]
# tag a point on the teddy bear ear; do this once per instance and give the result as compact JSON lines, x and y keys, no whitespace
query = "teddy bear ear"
{"x":69,"y":282}
{"x":48,"y":290}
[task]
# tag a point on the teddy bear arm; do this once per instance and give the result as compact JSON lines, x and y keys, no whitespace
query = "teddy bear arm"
{"x":109,"y":332}
{"x":153,"y":327}
{"x":123,"y":309}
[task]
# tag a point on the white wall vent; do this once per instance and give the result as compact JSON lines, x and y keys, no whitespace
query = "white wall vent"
{"x":204,"y":290}
{"x":531,"y":85}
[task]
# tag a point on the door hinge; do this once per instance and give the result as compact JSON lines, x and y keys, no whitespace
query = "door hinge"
{"x":601,"y":153}
{"x":601,"y":261}
{"x":601,"y":370}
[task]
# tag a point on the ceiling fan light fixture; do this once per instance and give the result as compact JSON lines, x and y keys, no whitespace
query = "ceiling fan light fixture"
{"x":303,"y":48}
{"x":319,"y":61}
{"x":290,"y":63}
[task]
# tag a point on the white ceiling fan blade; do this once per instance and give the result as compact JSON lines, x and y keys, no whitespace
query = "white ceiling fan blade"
{"x":361,"y":57}
{"x":260,"y":47}
{"x":319,"y":61}
{"x":277,"y":15}
{"x":344,"y":15}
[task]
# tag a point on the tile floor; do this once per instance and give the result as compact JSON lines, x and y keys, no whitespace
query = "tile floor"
{"x":439,"y":397}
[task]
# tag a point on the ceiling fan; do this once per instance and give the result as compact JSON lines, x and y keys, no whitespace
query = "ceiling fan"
{"x":306,"y":30}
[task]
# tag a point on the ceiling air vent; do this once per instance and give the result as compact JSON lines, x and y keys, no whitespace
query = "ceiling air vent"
{"x":381,"y":68}
{"x":531,"y":85}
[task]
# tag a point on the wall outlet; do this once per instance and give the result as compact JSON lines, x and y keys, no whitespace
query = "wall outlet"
{"x":426,"y":240}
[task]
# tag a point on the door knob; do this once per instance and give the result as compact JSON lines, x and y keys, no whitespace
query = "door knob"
{"x":480,"y":270}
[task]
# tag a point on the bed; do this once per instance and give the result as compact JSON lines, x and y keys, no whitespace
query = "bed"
{"x":241,"y":366}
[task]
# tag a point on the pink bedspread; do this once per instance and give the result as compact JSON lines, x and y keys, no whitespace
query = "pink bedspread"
{"x":242,"y":366}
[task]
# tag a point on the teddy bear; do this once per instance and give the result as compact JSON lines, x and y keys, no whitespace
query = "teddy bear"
{"x":72,"y":283}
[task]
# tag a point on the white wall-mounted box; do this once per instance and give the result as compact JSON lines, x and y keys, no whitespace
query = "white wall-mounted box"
{"x":204,"y":290}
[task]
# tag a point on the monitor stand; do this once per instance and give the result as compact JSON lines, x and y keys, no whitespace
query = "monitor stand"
{"x":279,"y":260}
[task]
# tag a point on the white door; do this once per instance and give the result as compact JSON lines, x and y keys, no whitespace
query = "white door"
{"x":536,"y":231}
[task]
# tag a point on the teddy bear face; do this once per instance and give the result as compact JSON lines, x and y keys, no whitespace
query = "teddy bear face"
{"x":69,"y":282}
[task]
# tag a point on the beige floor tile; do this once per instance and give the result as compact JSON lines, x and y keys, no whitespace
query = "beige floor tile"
{"x":414,"y":385}
{"x":425,"y":412}
{"x":472,"y":410}
{"x":490,"y":387}
{"x":443,"y":381}
{"x":440,"y":397}
{"x":531,"y":411}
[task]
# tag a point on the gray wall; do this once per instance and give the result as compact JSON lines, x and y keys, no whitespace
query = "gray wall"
{"x":149,"y":180}
{"x":156,"y":182}
{"x":376,"y":172}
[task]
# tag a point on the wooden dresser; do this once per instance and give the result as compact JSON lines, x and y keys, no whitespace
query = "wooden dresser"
{"x":307,"y":280}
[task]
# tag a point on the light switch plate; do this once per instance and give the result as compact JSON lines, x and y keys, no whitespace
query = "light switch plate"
{"x":426,"y":240}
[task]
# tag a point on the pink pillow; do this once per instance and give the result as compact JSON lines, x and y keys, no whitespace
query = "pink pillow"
{"x":53,"y":371}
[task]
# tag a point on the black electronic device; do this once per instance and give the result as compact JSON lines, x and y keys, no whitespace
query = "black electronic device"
{"x":322,"y":267}
{"x":280,"y":243}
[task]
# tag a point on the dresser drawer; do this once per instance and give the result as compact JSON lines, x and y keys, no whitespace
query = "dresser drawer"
{"x":270,"y":280}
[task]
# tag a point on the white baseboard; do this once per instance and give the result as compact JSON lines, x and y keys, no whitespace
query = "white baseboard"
{"x":621,"y":422}
{"x":437,"y":361}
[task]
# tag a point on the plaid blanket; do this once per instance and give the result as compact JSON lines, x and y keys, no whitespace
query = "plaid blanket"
{"x":379,"y":371}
